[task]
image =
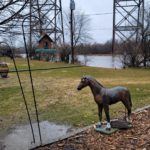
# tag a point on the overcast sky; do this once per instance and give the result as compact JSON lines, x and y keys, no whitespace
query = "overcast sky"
{"x":100,"y":25}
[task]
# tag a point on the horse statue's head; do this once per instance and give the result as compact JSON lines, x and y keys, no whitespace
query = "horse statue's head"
{"x":83,"y":83}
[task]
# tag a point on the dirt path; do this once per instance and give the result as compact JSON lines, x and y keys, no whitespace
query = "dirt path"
{"x":136,"y":138}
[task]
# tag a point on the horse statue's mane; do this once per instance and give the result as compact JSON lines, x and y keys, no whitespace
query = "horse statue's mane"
{"x":94,"y":80}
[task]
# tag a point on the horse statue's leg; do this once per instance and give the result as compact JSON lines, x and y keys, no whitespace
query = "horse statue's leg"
{"x":106,"y":109}
{"x":128,"y":107}
{"x":100,"y":108}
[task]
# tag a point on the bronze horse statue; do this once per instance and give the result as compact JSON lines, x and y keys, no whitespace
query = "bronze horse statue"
{"x":105,"y":97}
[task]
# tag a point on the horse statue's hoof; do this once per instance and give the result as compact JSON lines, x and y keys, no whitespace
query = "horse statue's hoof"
{"x":98,"y":125}
{"x":108,"y":129}
{"x":127,"y":120}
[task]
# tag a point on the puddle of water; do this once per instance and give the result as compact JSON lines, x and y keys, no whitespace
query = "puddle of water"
{"x":21,"y":138}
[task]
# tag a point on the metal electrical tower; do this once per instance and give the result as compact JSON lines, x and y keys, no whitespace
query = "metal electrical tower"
{"x":41,"y":16}
{"x":50,"y":17}
{"x":128,"y":20}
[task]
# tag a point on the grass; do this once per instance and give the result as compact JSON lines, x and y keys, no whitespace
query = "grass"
{"x":57,"y":97}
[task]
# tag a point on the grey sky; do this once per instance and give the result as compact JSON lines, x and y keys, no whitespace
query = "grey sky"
{"x":101,"y":25}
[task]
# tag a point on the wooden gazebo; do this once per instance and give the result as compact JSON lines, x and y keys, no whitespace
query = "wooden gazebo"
{"x":45,"y":48}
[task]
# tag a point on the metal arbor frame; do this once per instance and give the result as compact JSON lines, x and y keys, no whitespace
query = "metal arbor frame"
{"x":128,"y":20}
{"x":39,"y":16}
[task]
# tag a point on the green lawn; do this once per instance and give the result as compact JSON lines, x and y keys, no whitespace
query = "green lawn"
{"x":57,"y":97}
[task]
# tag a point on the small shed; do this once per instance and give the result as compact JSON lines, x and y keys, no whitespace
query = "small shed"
{"x":45,"y":50}
{"x":45,"y":42}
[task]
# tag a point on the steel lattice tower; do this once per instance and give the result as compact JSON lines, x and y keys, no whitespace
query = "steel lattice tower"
{"x":128,"y":20}
{"x":40,"y":16}
{"x":50,"y":17}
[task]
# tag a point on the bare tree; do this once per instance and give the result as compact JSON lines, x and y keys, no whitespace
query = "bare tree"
{"x":11,"y":10}
{"x":131,"y":54}
{"x":81,"y":30}
{"x":64,"y":52}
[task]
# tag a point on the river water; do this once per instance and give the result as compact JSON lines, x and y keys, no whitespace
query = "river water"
{"x":105,"y":61}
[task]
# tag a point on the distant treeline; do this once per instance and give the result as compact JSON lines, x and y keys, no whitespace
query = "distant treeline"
{"x":95,"y":48}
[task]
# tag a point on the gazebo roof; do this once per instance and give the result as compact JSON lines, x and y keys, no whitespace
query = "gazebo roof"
{"x":45,"y":50}
{"x":45,"y":35}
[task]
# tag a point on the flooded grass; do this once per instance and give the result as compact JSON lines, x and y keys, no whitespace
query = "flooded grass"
{"x":57,"y":97}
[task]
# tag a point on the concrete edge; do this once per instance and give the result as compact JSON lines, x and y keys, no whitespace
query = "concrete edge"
{"x":141,"y":109}
{"x":83,"y":129}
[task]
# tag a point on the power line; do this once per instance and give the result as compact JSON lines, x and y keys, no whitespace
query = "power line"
{"x":98,"y":14}
{"x":100,"y":29}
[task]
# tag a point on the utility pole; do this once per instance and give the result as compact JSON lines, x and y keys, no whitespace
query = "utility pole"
{"x":30,"y":36}
{"x":72,"y":8}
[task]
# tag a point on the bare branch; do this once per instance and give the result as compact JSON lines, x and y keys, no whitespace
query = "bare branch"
{"x":14,"y":14}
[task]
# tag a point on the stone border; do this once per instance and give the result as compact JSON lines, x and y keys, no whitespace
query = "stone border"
{"x":83,"y":129}
{"x":141,"y":109}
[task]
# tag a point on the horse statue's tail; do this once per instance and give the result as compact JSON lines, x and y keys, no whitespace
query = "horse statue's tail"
{"x":129,"y":103}
{"x":130,"y":100}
